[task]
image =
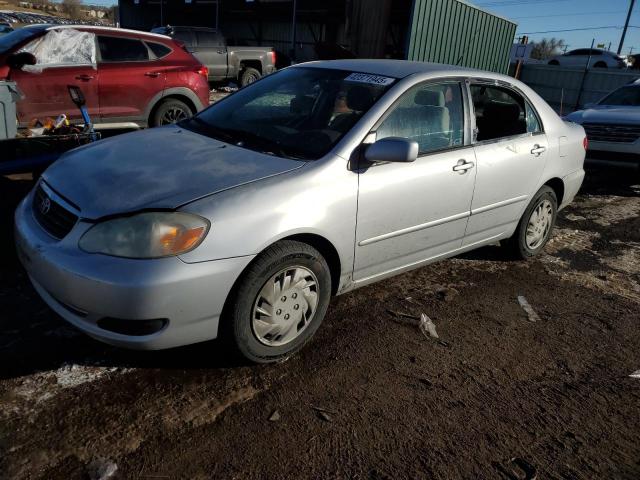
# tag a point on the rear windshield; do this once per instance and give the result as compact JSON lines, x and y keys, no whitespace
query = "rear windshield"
{"x":297,"y":113}
{"x":623,"y":96}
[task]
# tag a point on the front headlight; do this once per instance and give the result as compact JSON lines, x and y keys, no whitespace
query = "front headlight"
{"x":146,"y":235}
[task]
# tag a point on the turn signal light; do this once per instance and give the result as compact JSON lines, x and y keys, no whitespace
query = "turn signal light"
{"x":273,"y":57}
{"x":585,"y":143}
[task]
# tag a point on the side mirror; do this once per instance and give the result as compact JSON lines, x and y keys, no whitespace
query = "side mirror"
{"x":392,"y":149}
{"x":19,"y":60}
{"x":76,"y":95}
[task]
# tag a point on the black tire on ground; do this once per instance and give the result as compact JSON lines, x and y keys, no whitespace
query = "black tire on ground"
{"x":249,"y":75}
{"x":600,"y":65}
{"x":170,"y":111}
{"x":517,"y":244}
{"x":554,"y":62}
{"x":236,"y":326}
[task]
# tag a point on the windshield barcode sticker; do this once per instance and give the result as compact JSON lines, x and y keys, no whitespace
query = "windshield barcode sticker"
{"x":368,"y":78}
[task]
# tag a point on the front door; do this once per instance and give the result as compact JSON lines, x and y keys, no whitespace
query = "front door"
{"x":409,"y":213}
{"x":511,"y":151}
{"x":44,"y":85}
{"x":129,"y":79}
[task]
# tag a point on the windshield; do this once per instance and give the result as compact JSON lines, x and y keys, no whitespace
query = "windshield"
{"x":623,"y":96}
{"x":10,"y":40}
{"x":296,"y":113}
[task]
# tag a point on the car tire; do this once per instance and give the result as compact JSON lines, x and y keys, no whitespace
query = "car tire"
{"x":600,"y":65}
{"x":249,"y":75}
{"x":170,"y":111}
{"x":554,"y":63}
{"x":533,"y":233}
{"x":269,"y":316}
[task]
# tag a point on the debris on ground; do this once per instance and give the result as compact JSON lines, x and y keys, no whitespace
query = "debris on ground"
{"x":102,"y":469}
{"x":635,"y":374}
{"x":275,"y":416}
{"x":427,"y":326}
{"x":574,"y":218}
{"x":324,"y":416}
{"x":518,"y":469}
{"x":531,"y":313}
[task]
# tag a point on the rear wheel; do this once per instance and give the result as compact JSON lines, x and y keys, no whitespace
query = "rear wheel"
{"x":600,"y":65}
{"x":249,"y":75}
{"x":279,"y":302}
{"x":534,"y":229}
{"x":170,"y":111}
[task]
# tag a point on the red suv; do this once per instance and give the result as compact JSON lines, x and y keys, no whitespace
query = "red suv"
{"x":127,"y":77}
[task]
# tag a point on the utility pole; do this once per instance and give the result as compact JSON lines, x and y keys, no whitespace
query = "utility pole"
{"x":626,"y":25}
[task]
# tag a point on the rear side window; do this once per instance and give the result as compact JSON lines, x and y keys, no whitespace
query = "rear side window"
{"x":158,"y":49}
{"x":208,"y":39}
{"x":501,"y":112}
{"x":118,"y":49}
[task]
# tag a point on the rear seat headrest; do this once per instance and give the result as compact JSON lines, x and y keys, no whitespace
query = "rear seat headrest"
{"x":429,"y":97}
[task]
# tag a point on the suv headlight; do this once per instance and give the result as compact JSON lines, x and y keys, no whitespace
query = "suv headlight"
{"x":146,"y":235}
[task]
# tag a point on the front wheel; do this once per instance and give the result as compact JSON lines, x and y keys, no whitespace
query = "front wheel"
{"x":279,"y":302}
{"x":534,"y":229}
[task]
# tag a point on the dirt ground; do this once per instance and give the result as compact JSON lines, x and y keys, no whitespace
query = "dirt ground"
{"x":370,"y":397}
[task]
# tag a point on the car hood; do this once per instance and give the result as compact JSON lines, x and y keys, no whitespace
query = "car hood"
{"x":160,"y":168}
{"x":623,"y":115}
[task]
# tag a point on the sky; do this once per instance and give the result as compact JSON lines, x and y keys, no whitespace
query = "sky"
{"x":591,"y":16}
{"x":594,"y":16}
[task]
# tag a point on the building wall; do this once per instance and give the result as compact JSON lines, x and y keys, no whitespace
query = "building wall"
{"x":457,"y":33}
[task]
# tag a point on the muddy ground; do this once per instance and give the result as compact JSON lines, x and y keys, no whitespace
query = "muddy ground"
{"x":370,"y":397}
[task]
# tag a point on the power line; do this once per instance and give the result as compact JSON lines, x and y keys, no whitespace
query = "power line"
{"x":509,"y":3}
{"x":568,"y":15}
{"x":616,"y":27}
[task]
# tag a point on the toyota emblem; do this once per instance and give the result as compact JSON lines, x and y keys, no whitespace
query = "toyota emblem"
{"x":45,"y":205}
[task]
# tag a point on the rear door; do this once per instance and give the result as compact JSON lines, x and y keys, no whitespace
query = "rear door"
{"x":45,"y":84}
{"x":511,"y":151}
{"x":211,"y":50}
{"x":129,"y":78}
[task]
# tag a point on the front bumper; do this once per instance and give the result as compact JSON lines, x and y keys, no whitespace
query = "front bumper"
{"x":628,"y":149}
{"x":86,"y":288}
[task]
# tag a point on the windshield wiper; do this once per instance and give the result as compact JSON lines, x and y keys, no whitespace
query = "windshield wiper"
{"x":266,"y":145}
{"x":210,"y":130}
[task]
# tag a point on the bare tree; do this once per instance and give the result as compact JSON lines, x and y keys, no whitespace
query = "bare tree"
{"x":71,"y":8}
{"x":547,"y":48}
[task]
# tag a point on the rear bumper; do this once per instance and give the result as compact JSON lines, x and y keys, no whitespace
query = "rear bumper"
{"x":86,"y":289}
{"x":572,"y":184}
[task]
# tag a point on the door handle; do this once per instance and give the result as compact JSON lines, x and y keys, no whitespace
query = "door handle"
{"x":537,"y":150}
{"x":152,"y":74}
{"x":462,"y":166}
{"x":84,"y":77}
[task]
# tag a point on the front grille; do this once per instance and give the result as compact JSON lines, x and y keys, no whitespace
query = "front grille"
{"x":602,"y":132}
{"x":56,"y":220}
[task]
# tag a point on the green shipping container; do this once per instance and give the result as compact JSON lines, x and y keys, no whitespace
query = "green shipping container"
{"x":458,"y":33}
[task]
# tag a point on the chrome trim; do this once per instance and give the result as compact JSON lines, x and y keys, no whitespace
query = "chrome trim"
{"x":504,"y":203}
{"x":415,"y":228}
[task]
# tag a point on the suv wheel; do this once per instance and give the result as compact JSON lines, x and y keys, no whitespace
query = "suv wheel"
{"x":170,"y":111}
{"x":249,"y":75}
{"x":279,"y":302}
{"x":534,"y":229}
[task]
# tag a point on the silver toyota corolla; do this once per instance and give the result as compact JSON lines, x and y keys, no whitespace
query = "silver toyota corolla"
{"x":321,"y":178}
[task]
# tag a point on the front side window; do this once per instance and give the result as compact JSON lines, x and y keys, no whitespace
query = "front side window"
{"x":297,"y":113}
{"x":64,"y":47}
{"x":431,"y":115}
{"x":118,"y":49}
{"x":501,"y":112}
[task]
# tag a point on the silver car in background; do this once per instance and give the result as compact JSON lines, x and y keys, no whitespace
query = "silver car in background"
{"x":613,"y":125}
{"x":597,"y":59}
{"x":243,"y":221}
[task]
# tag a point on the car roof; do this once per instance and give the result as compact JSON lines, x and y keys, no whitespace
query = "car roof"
{"x":97,"y":29}
{"x":397,"y":68}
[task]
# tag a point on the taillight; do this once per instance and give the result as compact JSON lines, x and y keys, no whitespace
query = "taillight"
{"x":202,"y":70}
{"x":585,"y":143}
{"x":273,"y":57}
